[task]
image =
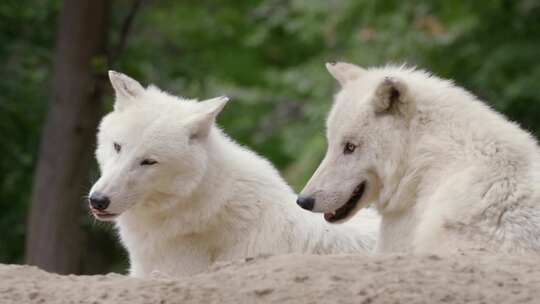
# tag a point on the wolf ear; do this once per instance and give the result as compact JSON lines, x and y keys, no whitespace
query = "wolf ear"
{"x":202,"y":122}
{"x":344,"y":72}
{"x":125,"y":88}
{"x":391,"y":94}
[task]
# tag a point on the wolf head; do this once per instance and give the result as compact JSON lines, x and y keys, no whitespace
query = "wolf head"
{"x":151,"y":147}
{"x":367,"y":140}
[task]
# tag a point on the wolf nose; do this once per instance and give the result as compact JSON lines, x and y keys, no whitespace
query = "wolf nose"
{"x":306,"y":202}
{"x":99,"y":201}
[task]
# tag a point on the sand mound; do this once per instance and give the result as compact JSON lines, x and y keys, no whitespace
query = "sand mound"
{"x":471,"y":278}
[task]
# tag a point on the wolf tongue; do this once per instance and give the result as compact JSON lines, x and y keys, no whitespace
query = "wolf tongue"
{"x":329,"y":216}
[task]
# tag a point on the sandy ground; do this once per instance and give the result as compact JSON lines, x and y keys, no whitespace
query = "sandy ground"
{"x":471,"y":278}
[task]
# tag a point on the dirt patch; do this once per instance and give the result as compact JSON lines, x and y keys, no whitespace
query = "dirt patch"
{"x":467,"y":278}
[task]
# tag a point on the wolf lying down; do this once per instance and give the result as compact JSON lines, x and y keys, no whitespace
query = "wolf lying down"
{"x":183,"y":195}
{"x":446,"y":172}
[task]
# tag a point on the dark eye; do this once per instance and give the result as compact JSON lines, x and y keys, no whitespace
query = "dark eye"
{"x":349,"y":148}
{"x":117,"y":147}
{"x":148,"y":162}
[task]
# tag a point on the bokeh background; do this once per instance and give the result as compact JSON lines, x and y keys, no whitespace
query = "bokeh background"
{"x":267,"y":55}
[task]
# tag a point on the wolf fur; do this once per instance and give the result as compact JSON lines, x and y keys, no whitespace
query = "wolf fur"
{"x":445,"y":171}
{"x":183,"y":195}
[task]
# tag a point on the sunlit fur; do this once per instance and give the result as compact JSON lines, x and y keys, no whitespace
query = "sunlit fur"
{"x":207,"y":199}
{"x":445,"y":171}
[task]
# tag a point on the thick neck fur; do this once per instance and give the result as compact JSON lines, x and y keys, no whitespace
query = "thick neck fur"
{"x":458,"y":132}
{"x":462,"y":155}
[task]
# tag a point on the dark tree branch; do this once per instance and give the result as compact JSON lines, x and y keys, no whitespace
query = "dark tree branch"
{"x":127,"y":25}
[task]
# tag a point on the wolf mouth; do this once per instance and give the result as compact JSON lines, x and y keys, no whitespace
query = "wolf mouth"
{"x":344,"y":211}
{"x":103,"y":215}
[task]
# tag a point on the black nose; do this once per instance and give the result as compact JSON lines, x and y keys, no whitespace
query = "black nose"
{"x":306,"y":202}
{"x":99,"y":201}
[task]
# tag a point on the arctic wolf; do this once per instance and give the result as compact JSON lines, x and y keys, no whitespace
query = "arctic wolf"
{"x":183,"y":195}
{"x":444,"y":170}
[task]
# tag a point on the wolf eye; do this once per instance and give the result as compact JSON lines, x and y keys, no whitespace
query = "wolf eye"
{"x":117,"y":147}
{"x":349,"y":148}
{"x":148,"y":162}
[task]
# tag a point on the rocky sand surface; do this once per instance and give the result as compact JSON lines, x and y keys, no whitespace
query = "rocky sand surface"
{"x":464,"y":278}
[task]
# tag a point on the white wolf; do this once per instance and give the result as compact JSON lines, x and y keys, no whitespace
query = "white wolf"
{"x":184,"y":195}
{"x":445,"y":171}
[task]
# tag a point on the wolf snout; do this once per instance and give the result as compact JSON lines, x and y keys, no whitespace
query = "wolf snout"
{"x":306,"y":202}
{"x":99,"y":201}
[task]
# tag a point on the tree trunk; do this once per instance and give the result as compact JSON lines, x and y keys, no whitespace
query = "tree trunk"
{"x":55,"y":239}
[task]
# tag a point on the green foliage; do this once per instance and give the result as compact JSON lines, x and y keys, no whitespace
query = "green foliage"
{"x":25,"y":57}
{"x":268,"y":56}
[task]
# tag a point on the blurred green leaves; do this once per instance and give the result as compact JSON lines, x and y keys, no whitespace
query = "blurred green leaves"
{"x":26,"y":36}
